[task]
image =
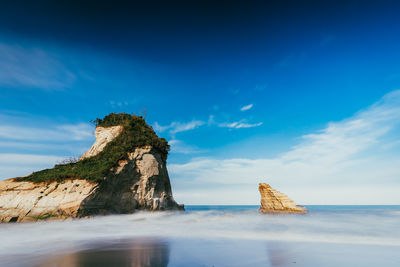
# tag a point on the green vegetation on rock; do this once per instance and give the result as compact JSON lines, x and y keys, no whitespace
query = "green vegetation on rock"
{"x":42,"y":217}
{"x":135,"y":133}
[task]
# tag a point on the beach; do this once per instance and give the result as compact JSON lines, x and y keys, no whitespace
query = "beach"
{"x":211,"y":236}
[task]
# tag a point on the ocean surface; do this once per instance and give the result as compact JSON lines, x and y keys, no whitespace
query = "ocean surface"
{"x":211,"y":236}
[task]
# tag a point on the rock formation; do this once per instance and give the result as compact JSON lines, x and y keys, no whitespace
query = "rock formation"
{"x":273,"y":201}
{"x":138,"y":181}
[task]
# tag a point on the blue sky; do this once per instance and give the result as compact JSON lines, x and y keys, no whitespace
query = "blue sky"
{"x":302,"y":95}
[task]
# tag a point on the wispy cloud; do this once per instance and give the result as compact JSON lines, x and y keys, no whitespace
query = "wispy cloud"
{"x":239,"y":125}
{"x":211,"y":120}
{"x":27,"y":159}
{"x":118,"y":104}
{"x":15,"y":165}
{"x":235,"y":91}
{"x":260,"y":87}
{"x":176,"y":127}
{"x":285,"y":62}
{"x":32,"y":68}
{"x":178,"y":146}
{"x":40,"y":146}
{"x":67,"y":132}
{"x":247,"y":107}
{"x":159,"y":128}
{"x":343,"y":163}
{"x":29,"y":144}
{"x":291,"y":60}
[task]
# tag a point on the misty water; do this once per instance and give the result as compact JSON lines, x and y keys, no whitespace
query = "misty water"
{"x":211,"y":236}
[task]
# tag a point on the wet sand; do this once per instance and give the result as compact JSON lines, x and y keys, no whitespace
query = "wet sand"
{"x":153,"y":252}
{"x":211,"y":236}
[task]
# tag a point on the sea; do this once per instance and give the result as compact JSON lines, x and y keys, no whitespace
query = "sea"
{"x":336,"y":236}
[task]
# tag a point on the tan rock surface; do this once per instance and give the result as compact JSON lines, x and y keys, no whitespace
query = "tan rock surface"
{"x":103,"y":137}
{"x":273,"y":201}
{"x":26,"y":201}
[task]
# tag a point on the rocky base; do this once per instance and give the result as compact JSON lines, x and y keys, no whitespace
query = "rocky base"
{"x":139,"y":183}
{"x":27,"y":201}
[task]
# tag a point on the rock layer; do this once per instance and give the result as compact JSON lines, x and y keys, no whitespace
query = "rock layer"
{"x":139,"y":182}
{"x":103,"y":137}
{"x":273,"y":201}
{"x":26,"y":201}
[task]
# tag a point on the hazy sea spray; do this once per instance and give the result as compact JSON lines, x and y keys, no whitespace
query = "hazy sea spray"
{"x":351,"y":225}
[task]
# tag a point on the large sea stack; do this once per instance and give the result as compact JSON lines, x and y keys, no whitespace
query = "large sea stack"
{"x":124,"y":171}
{"x":273,"y":201}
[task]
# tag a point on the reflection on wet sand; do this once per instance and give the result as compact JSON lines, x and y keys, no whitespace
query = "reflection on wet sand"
{"x":138,"y":253}
{"x":279,"y":254}
{"x":329,"y":237}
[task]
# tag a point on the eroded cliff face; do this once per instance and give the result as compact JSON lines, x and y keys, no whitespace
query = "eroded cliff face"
{"x":139,"y":182}
{"x":273,"y":201}
{"x":104,"y":135}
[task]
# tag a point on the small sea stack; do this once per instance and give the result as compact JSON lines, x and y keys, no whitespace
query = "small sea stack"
{"x":273,"y":201}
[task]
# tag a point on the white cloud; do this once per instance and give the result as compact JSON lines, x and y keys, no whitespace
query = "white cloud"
{"x":27,"y":144}
{"x":67,"y":132}
{"x":27,"y":159}
{"x":247,"y":107}
{"x":176,"y":127}
{"x":239,"y":125}
{"x":21,"y":145}
{"x":118,"y":104}
{"x":235,"y":91}
{"x":16,"y":165}
{"x":260,"y":87}
{"x":158,"y":128}
{"x":211,"y":120}
{"x":32,"y":67}
{"x":344,"y":163}
{"x":178,"y":146}
{"x":80,"y":131}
